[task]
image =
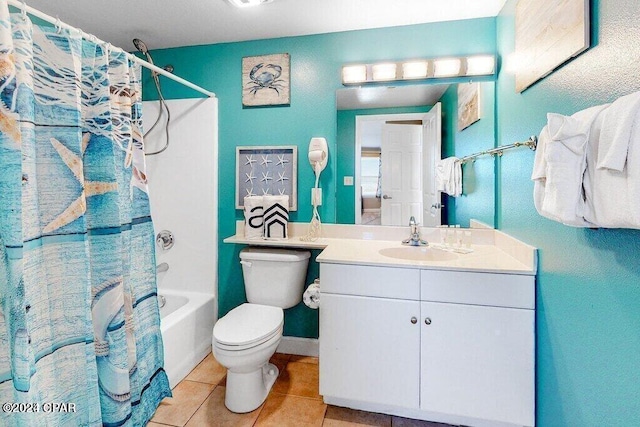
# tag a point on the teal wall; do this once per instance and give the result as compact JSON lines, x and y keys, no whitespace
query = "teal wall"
{"x":316,"y":62}
{"x":478,"y":192}
{"x":588,"y":287}
{"x":346,"y":137}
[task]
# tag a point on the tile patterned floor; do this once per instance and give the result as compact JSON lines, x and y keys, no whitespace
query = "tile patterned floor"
{"x":198,"y":401}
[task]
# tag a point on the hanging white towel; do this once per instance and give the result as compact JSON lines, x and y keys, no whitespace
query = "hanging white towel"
{"x":253,"y":218}
{"x":276,"y":217}
{"x":566,"y":157}
{"x":618,"y":122}
{"x":449,"y":176}
{"x":559,"y":166}
{"x":613,"y":196}
{"x":539,"y":173}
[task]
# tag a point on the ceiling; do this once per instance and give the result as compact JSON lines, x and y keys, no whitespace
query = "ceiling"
{"x":163,"y":24}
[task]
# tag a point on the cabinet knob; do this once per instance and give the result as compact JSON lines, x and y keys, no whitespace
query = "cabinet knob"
{"x":414,"y":320}
{"x":427,"y":320}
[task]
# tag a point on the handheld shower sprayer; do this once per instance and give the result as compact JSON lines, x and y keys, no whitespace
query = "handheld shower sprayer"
{"x":142,"y":48}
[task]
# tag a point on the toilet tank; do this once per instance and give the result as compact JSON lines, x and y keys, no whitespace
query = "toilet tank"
{"x":274,"y":276}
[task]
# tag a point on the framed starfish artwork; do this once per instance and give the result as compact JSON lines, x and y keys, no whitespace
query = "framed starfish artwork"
{"x":268,"y":170}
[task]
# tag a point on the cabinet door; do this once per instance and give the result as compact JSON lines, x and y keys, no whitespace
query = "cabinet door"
{"x":370,"y":349}
{"x":478,"y":362}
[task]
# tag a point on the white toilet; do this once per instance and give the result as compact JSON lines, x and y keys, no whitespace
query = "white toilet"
{"x":245,"y":339}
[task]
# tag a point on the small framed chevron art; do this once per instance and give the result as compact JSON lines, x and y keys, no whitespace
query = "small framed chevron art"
{"x":267,"y":171}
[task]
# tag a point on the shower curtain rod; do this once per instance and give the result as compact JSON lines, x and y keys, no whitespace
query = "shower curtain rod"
{"x":35,"y":12}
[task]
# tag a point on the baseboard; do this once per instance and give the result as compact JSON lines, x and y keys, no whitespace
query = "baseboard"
{"x":299,"y":346}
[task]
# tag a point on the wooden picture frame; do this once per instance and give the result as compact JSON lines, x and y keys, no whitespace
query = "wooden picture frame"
{"x":548,"y":34}
{"x":266,"y":80}
{"x":468,"y":104}
{"x":266,"y":170}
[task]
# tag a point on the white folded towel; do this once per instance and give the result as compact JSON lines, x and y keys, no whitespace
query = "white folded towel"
{"x":566,"y":157}
{"x":539,"y":173}
{"x":276,"y":217}
{"x":613,"y":196}
{"x":560,"y":164}
{"x":449,"y":176}
{"x":617,"y":126}
{"x":253,"y":218}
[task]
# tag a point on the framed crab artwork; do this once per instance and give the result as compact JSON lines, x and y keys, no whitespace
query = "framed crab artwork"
{"x":266,"y":80}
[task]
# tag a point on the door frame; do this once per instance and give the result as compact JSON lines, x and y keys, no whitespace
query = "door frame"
{"x":359,"y":122}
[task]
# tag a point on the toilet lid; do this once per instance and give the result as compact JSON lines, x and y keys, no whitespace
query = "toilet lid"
{"x":248,"y":324}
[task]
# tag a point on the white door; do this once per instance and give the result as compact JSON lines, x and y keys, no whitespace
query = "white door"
{"x":476,"y":362}
{"x":432,"y":136}
{"x":401,"y":154}
{"x":370,"y":350}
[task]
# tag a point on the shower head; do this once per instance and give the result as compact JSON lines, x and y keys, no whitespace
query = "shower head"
{"x":139,"y":44}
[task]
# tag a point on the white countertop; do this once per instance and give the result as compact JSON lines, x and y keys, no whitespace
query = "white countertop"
{"x":493,"y":251}
{"x":484,"y":258}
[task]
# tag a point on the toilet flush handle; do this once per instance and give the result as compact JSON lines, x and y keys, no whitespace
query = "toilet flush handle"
{"x":247,"y":263}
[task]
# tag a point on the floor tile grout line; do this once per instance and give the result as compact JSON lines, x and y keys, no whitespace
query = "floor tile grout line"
{"x":201,"y":403}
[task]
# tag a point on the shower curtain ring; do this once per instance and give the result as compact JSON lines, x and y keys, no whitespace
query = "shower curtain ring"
{"x":58,"y":25}
{"x":24,"y":10}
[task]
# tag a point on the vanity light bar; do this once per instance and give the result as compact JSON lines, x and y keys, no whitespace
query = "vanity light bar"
{"x":480,"y":65}
{"x":415,"y":70}
{"x":383,"y":72}
{"x":354,"y":74}
{"x":477,"y":65}
{"x":447,"y":67}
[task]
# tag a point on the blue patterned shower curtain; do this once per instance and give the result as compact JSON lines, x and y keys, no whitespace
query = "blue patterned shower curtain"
{"x":79,"y":320}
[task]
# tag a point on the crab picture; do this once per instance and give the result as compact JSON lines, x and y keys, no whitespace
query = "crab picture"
{"x":265,"y":80}
{"x":268,"y":78}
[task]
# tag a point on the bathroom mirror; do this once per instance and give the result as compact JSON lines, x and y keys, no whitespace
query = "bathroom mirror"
{"x":400,"y":132}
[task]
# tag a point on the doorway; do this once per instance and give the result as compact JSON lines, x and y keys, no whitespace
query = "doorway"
{"x":402,"y":149}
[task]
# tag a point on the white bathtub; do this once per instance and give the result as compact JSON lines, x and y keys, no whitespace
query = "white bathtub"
{"x":186,"y":324}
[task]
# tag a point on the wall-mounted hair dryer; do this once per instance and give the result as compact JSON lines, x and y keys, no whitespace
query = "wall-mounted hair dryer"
{"x":318,"y":153}
{"x":318,"y":157}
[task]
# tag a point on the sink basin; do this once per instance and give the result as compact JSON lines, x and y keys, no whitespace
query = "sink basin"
{"x":418,"y":253}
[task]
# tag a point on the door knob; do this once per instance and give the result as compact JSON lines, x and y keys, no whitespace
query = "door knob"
{"x":427,"y":321}
{"x":414,"y":320}
{"x":387,"y":197}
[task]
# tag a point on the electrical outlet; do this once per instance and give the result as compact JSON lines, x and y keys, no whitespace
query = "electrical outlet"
{"x":348,"y":181}
{"x":316,"y":196}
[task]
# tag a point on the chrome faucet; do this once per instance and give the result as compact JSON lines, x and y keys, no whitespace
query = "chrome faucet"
{"x":414,"y":238}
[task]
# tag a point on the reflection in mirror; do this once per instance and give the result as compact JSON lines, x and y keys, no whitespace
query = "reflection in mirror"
{"x":389,"y":140}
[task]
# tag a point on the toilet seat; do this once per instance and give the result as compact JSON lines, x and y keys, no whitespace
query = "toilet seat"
{"x":247,"y":326}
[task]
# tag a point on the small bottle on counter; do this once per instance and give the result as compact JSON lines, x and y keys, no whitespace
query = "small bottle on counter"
{"x":459,"y":236}
{"x":467,"y":239}
{"x":451,"y":236}
{"x":443,"y":234}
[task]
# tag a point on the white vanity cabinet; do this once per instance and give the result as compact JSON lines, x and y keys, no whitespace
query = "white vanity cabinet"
{"x":370,"y":345}
{"x":469,"y":358}
{"x":477,"y":345}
